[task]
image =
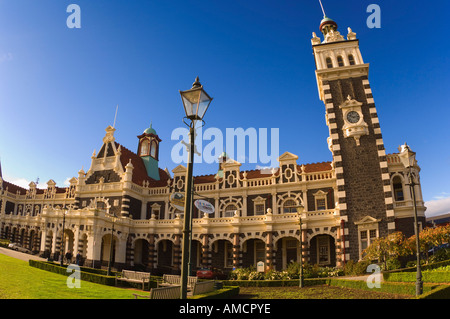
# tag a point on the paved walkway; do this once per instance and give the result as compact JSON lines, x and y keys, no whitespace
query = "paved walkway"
{"x":19,"y":255}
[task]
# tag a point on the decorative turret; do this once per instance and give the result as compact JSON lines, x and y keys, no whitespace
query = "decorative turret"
{"x":327,"y":25}
{"x":148,"y":150}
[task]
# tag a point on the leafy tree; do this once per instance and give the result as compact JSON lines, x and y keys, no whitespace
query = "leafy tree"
{"x":383,"y":248}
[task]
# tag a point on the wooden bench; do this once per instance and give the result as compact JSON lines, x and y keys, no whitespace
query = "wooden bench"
{"x":173,"y":292}
{"x":171,"y":280}
{"x":134,"y":276}
{"x":202,"y":287}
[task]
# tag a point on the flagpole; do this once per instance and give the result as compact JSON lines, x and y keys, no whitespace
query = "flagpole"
{"x":115,"y":116}
{"x":322,"y":8}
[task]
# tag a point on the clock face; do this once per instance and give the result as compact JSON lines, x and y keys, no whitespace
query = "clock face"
{"x":353,"y":117}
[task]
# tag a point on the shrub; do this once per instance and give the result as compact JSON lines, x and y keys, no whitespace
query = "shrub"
{"x":92,"y":277}
{"x":255,"y":275}
{"x":4,"y":243}
{"x":392,"y":264}
{"x":353,"y":268}
{"x":440,"y":255}
{"x":241,"y":273}
{"x":292,"y":272}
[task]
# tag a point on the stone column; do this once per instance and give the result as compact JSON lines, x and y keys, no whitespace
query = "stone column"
{"x":129,"y":250}
{"x":121,"y":251}
{"x":237,"y":260}
{"x":269,"y":251}
{"x":305,"y":248}
{"x":206,"y":253}
{"x":177,"y":252}
{"x":151,"y":251}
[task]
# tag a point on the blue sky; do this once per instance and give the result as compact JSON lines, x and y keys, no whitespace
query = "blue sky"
{"x":59,"y":87}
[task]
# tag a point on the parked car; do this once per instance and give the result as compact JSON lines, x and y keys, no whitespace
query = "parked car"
{"x":17,"y":247}
{"x":213,"y":273}
{"x":435,"y":249}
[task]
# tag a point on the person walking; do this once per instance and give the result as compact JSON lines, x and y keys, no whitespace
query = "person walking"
{"x":69,"y":257}
{"x":78,"y":259}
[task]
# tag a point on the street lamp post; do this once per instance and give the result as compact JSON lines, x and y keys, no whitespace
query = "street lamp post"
{"x":195,"y":102}
{"x":408,"y":159}
{"x":190,"y":233}
{"x":299,"y":214}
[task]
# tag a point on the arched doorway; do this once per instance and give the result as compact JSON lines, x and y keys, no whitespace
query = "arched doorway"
{"x":48,"y":244}
{"x":253,"y":251}
{"x":165,"y":256}
{"x":322,"y":250}
{"x":105,"y":253}
{"x":32,"y":242}
{"x":68,"y":240}
{"x":287,"y":251}
{"x":196,"y":256}
{"x":6,"y":233}
{"x":222,"y":254}
{"x":141,"y":253}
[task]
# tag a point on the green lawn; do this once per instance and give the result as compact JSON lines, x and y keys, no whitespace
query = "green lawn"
{"x":20,"y":281}
{"x":314,"y":292}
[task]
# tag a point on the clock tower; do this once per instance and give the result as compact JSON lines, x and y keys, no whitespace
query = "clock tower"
{"x":364,"y":194}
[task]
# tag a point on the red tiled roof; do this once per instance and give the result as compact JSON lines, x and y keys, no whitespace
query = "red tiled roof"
{"x":204,"y":179}
{"x":315,"y":167}
{"x":12,"y":188}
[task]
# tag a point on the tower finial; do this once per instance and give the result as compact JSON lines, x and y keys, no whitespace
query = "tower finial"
{"x":196,"y":84}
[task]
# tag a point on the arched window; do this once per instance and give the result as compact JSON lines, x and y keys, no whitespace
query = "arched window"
{"x":229,"y":210}
{"x":340,"y":61}
{"x":290,"y":206}
{"x":398,"y":188}
{"x":145,"y":145}
{"x":351,"y":59}
{"x":329,"y":63}
{"x":153,"y":149}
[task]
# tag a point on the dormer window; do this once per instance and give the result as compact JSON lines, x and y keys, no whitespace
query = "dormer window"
{"x":329,"y":63}
{"x":340,"y":61}
{"x":351,"y":59}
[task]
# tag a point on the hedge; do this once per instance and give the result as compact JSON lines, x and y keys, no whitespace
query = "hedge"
{"x":441,"y":292}
{"x":427,"y":276}
{"x":275,"y":283}
{"x":87,"y":276}
{"x":401,"y":288}
{"x":423,"y":267}
{"x":223,"y":293}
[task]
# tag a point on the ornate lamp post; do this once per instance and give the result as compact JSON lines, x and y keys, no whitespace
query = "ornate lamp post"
{"x":195,"y":102}
{"x":408,"y":159}
{"x":300,"y":210}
